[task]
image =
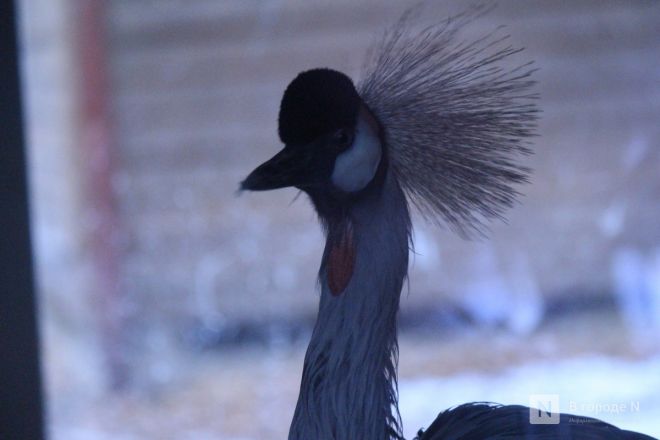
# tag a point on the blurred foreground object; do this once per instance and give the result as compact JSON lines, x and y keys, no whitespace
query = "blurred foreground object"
{"x":20,"y":373}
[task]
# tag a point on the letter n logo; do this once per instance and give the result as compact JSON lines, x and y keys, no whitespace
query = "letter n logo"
{"x":544,"y":409}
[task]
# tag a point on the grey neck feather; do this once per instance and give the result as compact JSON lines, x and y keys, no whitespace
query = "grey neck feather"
{"x":349,"y":383}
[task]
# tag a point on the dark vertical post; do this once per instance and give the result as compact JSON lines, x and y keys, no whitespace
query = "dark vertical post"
{"x":20,"y":379}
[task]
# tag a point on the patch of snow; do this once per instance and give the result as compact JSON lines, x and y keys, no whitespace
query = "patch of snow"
{"x":526,"y":305}
{"x":510,"y":297}
{"x":484,"y":295}
{"x":653,"y":286}
{"x":636,"y":279}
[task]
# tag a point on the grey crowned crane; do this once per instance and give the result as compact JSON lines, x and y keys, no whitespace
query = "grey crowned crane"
{"x":437,"y":123}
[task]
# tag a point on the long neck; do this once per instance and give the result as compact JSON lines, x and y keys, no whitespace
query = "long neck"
{"x":349,"y":383}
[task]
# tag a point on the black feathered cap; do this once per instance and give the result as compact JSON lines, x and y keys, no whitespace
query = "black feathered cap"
{"x":316,"y":102}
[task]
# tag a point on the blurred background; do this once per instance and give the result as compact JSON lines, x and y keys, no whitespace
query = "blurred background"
{"x":172,"y":308}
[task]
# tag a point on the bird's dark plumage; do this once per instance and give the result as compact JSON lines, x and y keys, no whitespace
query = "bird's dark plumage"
{"x":487,"y":421}
{"x":317,"y":102}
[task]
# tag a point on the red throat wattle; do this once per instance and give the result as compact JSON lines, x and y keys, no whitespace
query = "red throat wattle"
{"x":341,"y":260}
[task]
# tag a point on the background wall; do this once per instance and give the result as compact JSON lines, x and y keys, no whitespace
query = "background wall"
{"x":196,"y":92}
{"x":190,"y":95}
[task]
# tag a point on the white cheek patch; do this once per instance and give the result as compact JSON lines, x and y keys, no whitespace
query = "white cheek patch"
{"x":355,"y":167}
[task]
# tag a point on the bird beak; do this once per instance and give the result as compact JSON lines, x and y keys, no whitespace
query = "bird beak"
{"x":286,"y":168}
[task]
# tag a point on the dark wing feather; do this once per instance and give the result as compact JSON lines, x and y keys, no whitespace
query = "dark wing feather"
{"x":455,"y":119}
{"x":487,"y":421}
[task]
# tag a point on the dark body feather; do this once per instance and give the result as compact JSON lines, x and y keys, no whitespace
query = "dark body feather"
{"x":487,"y":421}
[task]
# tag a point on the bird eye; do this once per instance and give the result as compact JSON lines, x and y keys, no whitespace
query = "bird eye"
{"x":343,"y":138}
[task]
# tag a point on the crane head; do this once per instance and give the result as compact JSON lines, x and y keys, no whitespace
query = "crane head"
{"x":332,"y":142}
